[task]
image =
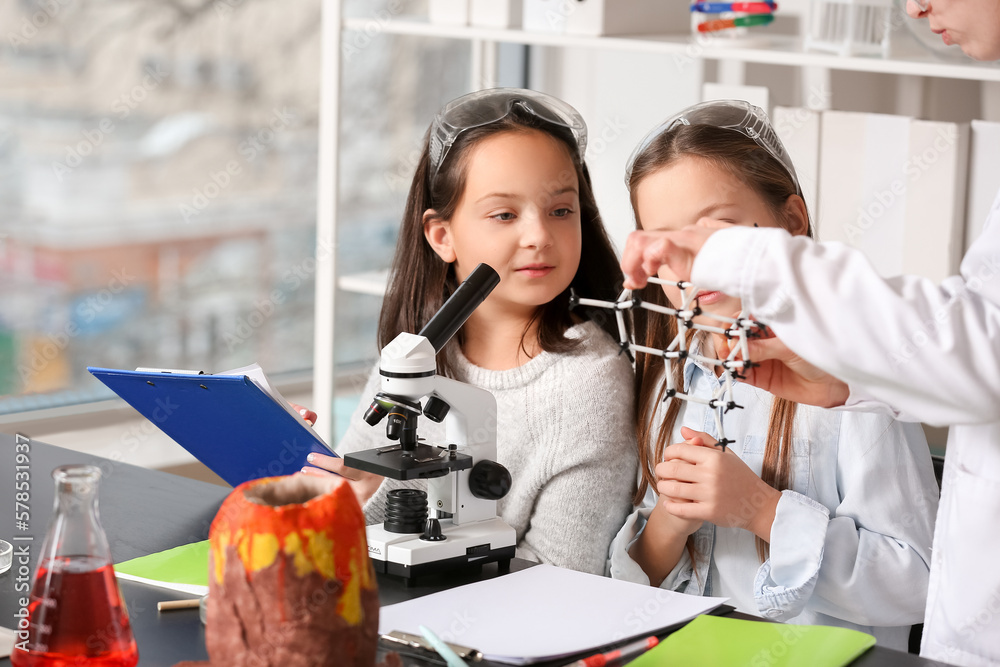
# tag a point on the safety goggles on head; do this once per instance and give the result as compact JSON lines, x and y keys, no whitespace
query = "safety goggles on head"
{"x":736,"y":115}
{"x":488,"y":106}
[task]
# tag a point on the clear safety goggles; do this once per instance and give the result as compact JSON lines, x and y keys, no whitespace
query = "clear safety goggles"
{"x":736,"y":115}
{"x":922,"y":5}
{"x":488,"y":106}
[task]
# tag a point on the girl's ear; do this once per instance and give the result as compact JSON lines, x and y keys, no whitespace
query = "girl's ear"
{"x":796,"y":216}
{"x":437,"y":231}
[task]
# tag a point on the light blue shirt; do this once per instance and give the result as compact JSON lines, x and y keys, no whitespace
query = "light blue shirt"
{"x":850,"y":543}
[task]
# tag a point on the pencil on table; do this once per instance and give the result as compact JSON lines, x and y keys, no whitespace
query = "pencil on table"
{"x":168,"y":605}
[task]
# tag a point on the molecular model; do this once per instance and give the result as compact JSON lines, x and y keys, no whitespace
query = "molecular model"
{"x":740,"y":329}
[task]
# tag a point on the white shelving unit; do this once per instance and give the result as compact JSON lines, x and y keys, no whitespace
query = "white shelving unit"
{"x":778,"y":51}
{"x":913,"y":64}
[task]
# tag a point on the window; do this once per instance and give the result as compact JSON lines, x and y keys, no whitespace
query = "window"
{"x":158,"y":190}
{"x":158,"y":185}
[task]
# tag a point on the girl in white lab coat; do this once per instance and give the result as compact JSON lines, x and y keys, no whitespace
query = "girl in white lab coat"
{"x":810,"y":515}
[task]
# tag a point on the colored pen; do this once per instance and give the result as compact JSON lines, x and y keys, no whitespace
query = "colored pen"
{"x":627,"y":651}
{"x":758,"y":7}
{"x":738,"y":22}
{"x":450,"y":657}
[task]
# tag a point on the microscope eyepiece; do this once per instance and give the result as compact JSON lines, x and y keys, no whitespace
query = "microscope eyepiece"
{"x":456,"y":310}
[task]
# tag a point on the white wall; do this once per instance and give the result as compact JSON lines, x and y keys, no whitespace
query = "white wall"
{"x":622,"y":96}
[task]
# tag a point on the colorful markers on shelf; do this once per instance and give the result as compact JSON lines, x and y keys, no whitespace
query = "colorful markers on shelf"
{"x":765,"y":7}
{"x":738,"y":22}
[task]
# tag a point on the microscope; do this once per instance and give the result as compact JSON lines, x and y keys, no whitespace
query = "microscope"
{"x":455,"y":522}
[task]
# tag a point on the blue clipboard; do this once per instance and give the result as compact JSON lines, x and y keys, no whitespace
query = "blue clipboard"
{"x":226,"y":421}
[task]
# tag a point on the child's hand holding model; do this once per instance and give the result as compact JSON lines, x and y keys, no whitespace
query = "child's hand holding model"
{"x":699,"y":481}
{"x":502,"y":181}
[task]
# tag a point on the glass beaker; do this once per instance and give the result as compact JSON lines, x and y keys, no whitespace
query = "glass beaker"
{"x":75,"y":612}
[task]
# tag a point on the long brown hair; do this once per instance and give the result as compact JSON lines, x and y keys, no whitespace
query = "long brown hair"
{"x":420,"y":281}
{"x":762,"y":173}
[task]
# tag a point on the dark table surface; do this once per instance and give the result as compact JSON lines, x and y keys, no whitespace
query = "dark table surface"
{"x":144,"y":511}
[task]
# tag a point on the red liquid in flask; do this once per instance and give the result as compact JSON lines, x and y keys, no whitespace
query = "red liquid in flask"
{"x":76,"y":617}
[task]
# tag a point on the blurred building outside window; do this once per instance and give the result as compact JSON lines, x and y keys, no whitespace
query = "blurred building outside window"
{"x":158,"y":179}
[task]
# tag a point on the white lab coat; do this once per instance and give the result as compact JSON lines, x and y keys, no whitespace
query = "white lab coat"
{"x":926,"y":352}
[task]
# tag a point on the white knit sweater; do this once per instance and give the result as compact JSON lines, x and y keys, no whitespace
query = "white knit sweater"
{"x":565,"y":432}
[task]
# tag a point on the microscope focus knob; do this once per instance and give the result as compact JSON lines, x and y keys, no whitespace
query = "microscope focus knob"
{"x":435,"y":409}
{"x":432,"y":531}
{"x":489,"y":480}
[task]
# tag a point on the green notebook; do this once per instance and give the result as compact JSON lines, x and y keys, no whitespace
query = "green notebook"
{"x":732,"y":642}
{"x":183,"y":568}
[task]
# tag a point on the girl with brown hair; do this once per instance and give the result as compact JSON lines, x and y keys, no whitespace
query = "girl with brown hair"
{"x":811,"y":515}
{"x":502,"y":180}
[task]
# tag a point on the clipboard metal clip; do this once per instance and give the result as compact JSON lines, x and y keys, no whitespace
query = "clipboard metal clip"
{"x":175,"y":371}
{"x":404,"y":640}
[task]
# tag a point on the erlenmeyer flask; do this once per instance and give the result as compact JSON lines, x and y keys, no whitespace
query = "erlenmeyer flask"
{"x":75,"y":612}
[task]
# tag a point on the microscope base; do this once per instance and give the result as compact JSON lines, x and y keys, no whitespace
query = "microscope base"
{"x":408,"y":556}
{"x":411,"y":572}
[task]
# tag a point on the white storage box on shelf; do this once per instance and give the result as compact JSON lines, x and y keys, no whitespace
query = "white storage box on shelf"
{"x":799,"y":130}
{"x":850,"y":27}
{"x":448,"y":12}
{"x":607,"y":17}
{"x":496,"y":13}
{"x":545,"y":15}
{"x":894,"y":188}
{"x":938,"y":170}
{"x":984,"y":174}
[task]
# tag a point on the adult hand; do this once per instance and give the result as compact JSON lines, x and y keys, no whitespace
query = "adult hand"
{"x":646,"y":251}
{"x":699,"y":481}
{"x":365,"y":484}
{"x":785,"y":374}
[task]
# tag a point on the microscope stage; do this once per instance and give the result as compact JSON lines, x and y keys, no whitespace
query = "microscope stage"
{"x":423,"y":462}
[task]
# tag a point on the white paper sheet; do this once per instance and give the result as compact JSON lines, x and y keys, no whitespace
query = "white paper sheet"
{"x":257,"y":376}
{"x":543,"y":612}
{"x":7,"y":638}
{"x":190,"y":589}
